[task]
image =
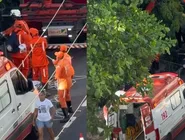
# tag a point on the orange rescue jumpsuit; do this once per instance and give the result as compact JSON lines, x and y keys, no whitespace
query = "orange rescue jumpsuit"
{"x":22,"y":30}
{"x":39,"y":59}
{"x":67,"y":57}
{"x":19,"y":57}
{"x":64,"y":71}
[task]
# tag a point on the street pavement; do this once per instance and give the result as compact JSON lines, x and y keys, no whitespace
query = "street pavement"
{"x":77,"y":125}
{"x":181,"y":136}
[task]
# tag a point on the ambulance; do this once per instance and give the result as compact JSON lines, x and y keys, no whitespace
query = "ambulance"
{"x":161,"y":117}
{"x":17,"y":101}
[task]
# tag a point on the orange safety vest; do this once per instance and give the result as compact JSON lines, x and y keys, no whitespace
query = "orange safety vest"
{"x":64,"y":69}
{"x":67,"y":57}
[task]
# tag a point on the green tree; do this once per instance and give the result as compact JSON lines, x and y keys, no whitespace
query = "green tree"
{"x":122,"y":42}
{"x":171,"y":13}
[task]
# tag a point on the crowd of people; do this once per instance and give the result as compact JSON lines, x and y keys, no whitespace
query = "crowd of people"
{"x":28,"y":51}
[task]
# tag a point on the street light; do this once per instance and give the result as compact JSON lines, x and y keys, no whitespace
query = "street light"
{"x":70,"y":36}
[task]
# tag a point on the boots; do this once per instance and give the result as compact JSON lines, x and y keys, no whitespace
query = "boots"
{"x":58,"y":105}
{"x":70,"y":110}
{"x":66,"y":116}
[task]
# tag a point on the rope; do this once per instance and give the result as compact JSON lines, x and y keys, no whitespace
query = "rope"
{"x":40,"y":36}
{"x":26,"y":58}
{"x":57,"y":137}
{"x":67,"y":52}
{"x":41,"y":89}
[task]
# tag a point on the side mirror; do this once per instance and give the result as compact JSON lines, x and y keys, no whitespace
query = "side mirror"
{"x":30,"y":85}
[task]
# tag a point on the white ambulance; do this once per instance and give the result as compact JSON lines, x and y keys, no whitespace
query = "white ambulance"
{"x":16,"y":102}
{"x":163,"y":116}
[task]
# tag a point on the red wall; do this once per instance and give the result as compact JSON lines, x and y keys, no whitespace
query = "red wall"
{"x":37,"y":25}
{"x":25,"y":1}
{"x":76,"y":1}
{"x":80,"y":1}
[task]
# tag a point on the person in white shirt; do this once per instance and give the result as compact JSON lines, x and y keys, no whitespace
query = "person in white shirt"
{"x":43,"y":115}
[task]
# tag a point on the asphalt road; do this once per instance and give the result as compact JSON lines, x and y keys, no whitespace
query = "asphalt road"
{"x":181,"y":136}
{"x":77,"y":125}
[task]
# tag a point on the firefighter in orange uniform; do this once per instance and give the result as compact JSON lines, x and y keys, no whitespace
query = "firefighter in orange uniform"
{"x":64,"y":70}
{"x":63,"y":48}
{"x":22,"y":31}
{"x":39,"y":58}
{"x":67,"y":57}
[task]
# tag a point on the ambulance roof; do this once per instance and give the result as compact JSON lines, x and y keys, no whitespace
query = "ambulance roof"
{"x":163,"y":85}
{"x":5,"y":65}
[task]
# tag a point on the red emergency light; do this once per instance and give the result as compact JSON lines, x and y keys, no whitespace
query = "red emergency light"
{"x":1,"y":53}
{"x":8,"y":66}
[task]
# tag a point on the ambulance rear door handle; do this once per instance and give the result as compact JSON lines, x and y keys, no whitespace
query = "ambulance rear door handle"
{"x":15,"y":124}
{"x":19,"y":106}
{"x":13,"y":111}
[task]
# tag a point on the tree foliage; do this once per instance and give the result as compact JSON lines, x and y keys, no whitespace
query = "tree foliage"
{"x":122,"y":42}
{"x":171,"y":13}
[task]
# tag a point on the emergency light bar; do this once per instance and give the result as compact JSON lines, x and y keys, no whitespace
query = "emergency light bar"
{"x":8,"y":66}
{"x":1,"y":53}
{"x":180,"y":82}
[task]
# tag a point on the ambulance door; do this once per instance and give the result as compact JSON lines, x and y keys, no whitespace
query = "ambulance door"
{"x":8,"y":112}
{"x":183,"y":99}
{"x":177,"y":107}
{"x":147,"y":122}
{"x":24,"y":97}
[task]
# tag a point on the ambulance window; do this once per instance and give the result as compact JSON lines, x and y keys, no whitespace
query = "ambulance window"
{"x":1,"y":107}
{"x":175,"y":100}
{"x":19,"y":82}
{"x":5,"y":98}
{"x":184,"y":93}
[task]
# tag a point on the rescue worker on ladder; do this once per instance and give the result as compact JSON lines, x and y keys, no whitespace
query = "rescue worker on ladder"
{"x":39,"y":58}
{"x":64,"y":72}
{"x":20,"y":50}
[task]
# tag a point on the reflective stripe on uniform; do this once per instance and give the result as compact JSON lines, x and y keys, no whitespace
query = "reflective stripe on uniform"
{"x":43,"y":48}
{"x":44,"y":72}
{"x":20,"y":39}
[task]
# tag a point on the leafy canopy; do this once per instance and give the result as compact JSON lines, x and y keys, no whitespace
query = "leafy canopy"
{"x":122,"y":42}
{"x":172,"y":14}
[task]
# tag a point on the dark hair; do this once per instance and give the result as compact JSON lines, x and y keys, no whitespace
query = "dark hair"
{"x":43,"y":92}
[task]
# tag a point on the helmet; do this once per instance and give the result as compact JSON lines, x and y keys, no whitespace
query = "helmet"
{"x":21,"y":25}
{"x":63,"y":48}
{"x":34,"y":32}
{"x":59,"y":55}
